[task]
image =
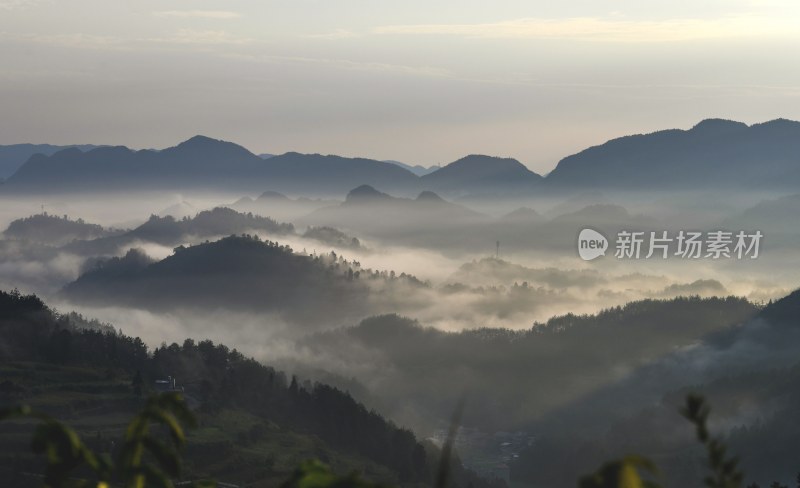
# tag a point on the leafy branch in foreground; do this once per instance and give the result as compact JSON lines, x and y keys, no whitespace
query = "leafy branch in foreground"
{"x":627,"y":472}
{"x":170,"y":410}
{"x":63,"y":449}
{"x":314,"y":474}
{"x":725,"y":471}
{"x":623,"y":473}
{"x":65,"y":452}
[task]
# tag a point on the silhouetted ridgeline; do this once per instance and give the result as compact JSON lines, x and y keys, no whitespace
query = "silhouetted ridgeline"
{"x":477,"y":174}
{"x":713,"y":154}
{"x":785,"y":311}
{"x":13,"y":156}
{"x":216,"y":379}
{"x":201,"y":163}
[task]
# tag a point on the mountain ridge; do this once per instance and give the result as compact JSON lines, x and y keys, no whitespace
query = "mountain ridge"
{"x":12,"y":156}
{"x":714,"y":153}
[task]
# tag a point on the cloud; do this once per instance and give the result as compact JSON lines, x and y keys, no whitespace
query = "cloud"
{"x":201,"y":14}
{"x":602,"y":29}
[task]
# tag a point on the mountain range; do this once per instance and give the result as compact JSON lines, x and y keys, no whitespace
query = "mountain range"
{"x":202,"y":163}
{"x":715,"y":153}
{"x":15,"y":155}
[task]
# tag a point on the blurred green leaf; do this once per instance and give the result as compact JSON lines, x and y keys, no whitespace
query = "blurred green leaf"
{"x":314,"y":474}
{"x":622,"y":473}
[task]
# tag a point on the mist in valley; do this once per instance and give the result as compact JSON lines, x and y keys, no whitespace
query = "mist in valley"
{"x":411,"y":301}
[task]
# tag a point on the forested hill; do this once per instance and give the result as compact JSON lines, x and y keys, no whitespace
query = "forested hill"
{"x":52,"y":229}
{"x":237,"y":272}
{"x":283,"y":415}
{"x":565,"y":358}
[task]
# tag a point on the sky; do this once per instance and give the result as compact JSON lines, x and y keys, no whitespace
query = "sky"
{"x":416,"y":81}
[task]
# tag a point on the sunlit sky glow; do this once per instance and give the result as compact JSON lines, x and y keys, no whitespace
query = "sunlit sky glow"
{"x":420,"y":82}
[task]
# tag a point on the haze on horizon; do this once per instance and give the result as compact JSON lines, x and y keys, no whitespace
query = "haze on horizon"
{"x":390,"y":81}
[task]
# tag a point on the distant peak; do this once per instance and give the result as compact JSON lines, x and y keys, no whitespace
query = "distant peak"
{"x":205,"y":147}
{"x":199,"y":140}
{"x":68,"y":152}
{"x":778,"y":123}
{"x":718,"y":126}
{"x":480,"y":165}
{"x":473,"y":159}
{"x":365,"y":192}
{"x":429,"y":196}
{"x":204,"y":143}
{"x":272,"y":195}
